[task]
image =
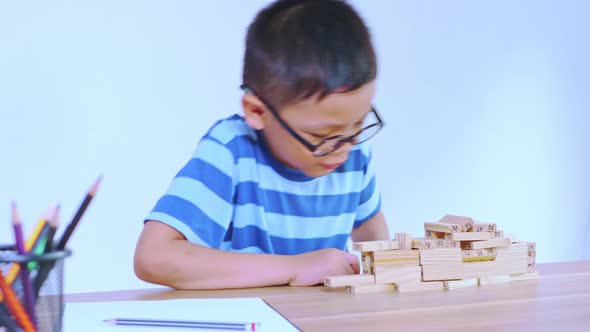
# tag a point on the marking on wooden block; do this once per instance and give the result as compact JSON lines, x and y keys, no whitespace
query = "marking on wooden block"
{"x":484,"y":228}
{"x":349,"y":280}
{"x":433,"y":243}
{"x":531,"y":264}
{"x":466,"y":223}
{"x":497,"y":234}
{"x":443,"y":228}
{"x":433,"y":235}
{"x":492,"y":243}
{"x":477,"y":255}
{"x":374,"y":245}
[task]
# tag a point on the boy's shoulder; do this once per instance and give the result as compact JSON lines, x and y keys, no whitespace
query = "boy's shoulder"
{"x":226,"y":131}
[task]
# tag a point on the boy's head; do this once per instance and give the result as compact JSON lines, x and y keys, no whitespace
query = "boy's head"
{"x":310,"y":67}
{"x":296,"y":49}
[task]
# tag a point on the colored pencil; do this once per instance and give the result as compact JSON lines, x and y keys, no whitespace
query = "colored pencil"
{"x":185,"y":324}
{"x":42,"y":241}
{"x":6,"y":319}
{"x":46,"y":267}
{"x":20,"y":247}
{"x":15,"y":268}
{"x":53,"y":224}
{"x":14,"y":306}
{"x":72,"y":225}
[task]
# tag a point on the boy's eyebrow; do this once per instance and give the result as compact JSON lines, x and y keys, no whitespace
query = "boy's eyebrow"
{"x":333,"y":126}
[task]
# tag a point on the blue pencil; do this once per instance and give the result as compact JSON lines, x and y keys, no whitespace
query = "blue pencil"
{"x":185,"y":324}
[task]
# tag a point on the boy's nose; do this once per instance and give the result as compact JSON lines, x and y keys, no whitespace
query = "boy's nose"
{"x":344,"y":147}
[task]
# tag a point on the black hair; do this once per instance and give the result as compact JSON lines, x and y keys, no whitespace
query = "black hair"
{"x":296,"y":49}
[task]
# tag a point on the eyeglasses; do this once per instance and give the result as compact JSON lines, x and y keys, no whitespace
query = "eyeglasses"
{"x":333,"y":143}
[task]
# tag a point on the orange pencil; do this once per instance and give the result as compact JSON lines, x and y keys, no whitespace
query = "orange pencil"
{"x":15,"y":307}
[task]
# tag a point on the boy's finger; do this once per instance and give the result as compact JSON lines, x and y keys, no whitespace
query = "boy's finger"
{"x":354,"y":262}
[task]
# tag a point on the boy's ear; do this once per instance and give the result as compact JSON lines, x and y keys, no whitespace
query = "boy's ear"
{"x":254,"y":111}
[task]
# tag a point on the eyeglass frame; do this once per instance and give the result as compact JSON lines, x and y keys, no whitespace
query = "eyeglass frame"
{"x":313,"y":147}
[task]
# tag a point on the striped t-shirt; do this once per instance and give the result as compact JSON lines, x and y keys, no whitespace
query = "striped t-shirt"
{"x":234,"y":195}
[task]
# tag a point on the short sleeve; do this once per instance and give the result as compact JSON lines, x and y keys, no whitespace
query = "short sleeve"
{"x":198,"y":202}
{"x":370,"y":197}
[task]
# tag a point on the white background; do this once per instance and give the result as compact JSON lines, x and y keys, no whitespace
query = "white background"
{"x":486,"y":106}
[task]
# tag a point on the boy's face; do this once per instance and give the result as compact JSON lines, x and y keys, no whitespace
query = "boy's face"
{"x":336,"y":114}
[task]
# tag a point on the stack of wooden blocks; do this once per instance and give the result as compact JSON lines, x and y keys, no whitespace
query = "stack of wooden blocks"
{"x":456,"y":252}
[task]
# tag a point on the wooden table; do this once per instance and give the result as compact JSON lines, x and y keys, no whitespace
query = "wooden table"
{"x":558,"y":301}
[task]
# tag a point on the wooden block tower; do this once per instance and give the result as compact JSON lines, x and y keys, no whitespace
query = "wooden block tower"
{"x":456,"y":252}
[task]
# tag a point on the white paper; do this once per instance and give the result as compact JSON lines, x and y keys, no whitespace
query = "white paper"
{"x":90,"y":316}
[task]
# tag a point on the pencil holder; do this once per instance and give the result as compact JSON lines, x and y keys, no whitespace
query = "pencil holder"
{"x":46,"y":276}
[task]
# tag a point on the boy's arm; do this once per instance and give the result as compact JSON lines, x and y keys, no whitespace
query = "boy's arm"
{"x":372,"y":230}
{"x":163,"y":256}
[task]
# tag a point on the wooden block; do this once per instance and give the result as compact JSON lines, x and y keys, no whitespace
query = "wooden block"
{"x":492,"y":243}
{"x":389,"y":258}
{"x":367,"y":289}
{"x":463,"y":283}
{"x":479,"y":255}
{"x":492,"y":280}
{"x":484,"y":228}
{"x":396,"y":274}
{"x":440,"y":256}
{"x":465,"y":222}
{"x":532,"y":249}
{"x":433,"y":272}
{"x":433,"y":243}
{"x":374,"y":245}
{"x":443,"y":228}
{"x":481,"y":269}
{"x":531,"y":264}
{"x":509,"y":260}
{"x":404,"y":240}
{"x":497,"y":234}
{"x":367,"y":263}
{"x":418,"y":286}
{"x":513,"y":259}
{"x":433,"y":235}
{"x":468,"y":236}
{"x":349,"y":280}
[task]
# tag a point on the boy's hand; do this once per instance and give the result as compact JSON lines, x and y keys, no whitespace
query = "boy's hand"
{"x":312,"y":267}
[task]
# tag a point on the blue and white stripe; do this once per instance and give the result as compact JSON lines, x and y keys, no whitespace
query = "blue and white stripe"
{"x":233,"y":195}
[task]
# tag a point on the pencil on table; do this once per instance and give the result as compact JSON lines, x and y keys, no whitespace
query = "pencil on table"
{"x":72,"y":225}
{"x":185,"y":324}
{"x":20,"y":247}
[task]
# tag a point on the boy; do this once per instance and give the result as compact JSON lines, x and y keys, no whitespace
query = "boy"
{"x":271,"y":198}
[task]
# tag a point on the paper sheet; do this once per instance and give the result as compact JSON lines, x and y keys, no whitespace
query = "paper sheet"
{"x":89,"y":317}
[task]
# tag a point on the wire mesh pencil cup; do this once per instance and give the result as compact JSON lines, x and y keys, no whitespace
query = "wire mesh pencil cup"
{"x":46,"y":274}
